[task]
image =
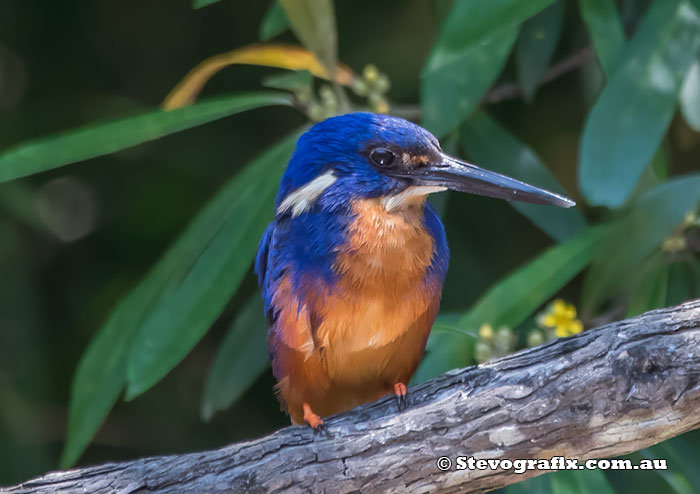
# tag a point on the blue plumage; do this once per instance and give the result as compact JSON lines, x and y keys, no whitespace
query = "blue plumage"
{"x":351,"y":269}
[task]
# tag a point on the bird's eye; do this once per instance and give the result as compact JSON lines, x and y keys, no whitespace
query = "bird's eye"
{"x":382,"y":157}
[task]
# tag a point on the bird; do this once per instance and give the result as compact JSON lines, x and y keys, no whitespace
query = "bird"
{"x":351,"y":267}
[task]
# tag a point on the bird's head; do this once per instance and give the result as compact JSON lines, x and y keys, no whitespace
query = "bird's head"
{"x":366,"y":155}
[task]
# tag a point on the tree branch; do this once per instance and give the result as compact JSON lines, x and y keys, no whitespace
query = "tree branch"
{"x":605,"y":392}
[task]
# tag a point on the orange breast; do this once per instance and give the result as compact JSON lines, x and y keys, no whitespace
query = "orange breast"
{"x":349,"y":343}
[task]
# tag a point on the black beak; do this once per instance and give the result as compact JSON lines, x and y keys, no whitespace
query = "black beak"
{"x":465,"y":177}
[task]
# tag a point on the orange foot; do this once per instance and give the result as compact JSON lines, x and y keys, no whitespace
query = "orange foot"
{"x":315,"y":421}
{"x":400,"y":392}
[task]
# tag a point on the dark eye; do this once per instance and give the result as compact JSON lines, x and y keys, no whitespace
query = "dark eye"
{"x":382,"y":157}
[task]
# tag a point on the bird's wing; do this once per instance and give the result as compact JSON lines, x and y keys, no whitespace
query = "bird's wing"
{"x":263,"y":252}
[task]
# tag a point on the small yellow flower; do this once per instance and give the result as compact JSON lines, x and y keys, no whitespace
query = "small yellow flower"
{"x":486,"y":332}
{"x":561,"y":317}
{"x":674,"y":244}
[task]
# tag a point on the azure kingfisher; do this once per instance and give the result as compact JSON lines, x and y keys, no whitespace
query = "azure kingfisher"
{"x":352,"y":266}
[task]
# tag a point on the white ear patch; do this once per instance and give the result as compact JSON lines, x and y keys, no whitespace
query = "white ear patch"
{"x":301,"y":199}
{"x":409,"y":196}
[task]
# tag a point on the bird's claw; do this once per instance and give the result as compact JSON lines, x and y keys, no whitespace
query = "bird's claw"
{"x":322,"y":428}
{"x":401,"y":402}
{"x":401,"y":396}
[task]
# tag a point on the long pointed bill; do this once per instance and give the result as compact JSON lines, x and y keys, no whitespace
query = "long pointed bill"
{"x":465,"y":177}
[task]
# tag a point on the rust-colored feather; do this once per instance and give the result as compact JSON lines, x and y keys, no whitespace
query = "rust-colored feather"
{"x":338,"y":346}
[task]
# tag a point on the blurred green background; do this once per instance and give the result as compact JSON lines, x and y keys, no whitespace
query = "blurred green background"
{"x":599,"y":99}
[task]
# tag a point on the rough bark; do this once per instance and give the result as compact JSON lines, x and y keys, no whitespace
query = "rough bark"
{"x":605,"y":392}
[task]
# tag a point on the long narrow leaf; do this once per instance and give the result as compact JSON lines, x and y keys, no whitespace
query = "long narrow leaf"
{"x":490,"y":145}
{"x":452,"y":91}
{"x":279,"y":56}
{"x":636,"y":235}
{"x":690,"y":97}
{"x":603,"y":22}
{"x":470,"y":52}
{"x":313,"y":21}
{"x":535,"y":47}
{"x":241,"y":359}
{"x":101,"y":374}
{"x":510,"y":301}
{"x":100,"y":139}
{"x":274,"y":23}
{"x":627,"y":123}
{"x":193,"y":295}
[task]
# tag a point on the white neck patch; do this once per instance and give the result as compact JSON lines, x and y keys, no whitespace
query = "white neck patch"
{"x":409,"y":196}
{"x":301,"y":199}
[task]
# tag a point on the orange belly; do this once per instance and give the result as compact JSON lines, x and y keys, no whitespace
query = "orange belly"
{"x":343,"y":345}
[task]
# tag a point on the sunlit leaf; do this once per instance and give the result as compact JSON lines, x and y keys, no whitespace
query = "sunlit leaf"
{"x":690,"y":97}
{"x":452,"y":91}
{"x":313,"y":22}
{"x":489,"y":145}
{"x":274,"y":23}
{"x":241,"y":359}
{"x":102,"y":372}
{"x":280,"y":56}
{"x":627,"y":123}
{"x":192,"y":296}
{"x":636,"y":235}
{"x":100,"y":139}
{"x":511,"y":300}
{"x":535,"y":46}
{"x":605,"y":28}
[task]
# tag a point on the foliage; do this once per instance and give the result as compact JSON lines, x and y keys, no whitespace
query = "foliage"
{"x":611,"y":253}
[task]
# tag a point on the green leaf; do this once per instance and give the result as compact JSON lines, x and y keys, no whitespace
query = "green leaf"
{"x":605,"y":28}
{"x":192,"y":296}
{"x":102,"y":372}
{"x":313,"y":22}
{"x":449,"y":346}
{"x":289,"y":81}
{"x":99,"y":139}
{"x":649,"y":292}
{"x":198,"y":4}
{"x":514,"y":298}
{"x":690,"y":97}
{"x":534,"y":485}
{"x":519,"y":295}
{"x":240,"y":361}
{"x":274,"y":23}
{"x":491,"y":146}
{"x":580,"y":482}
{"x":535,"y":47}
{"x":629,"y":120}
{"x":472,"y":47}
{"x":682,"y":282}
{"x":634,"y":236}
{"x":682,"y":456}
{"x":470,"y":22}
{"x":452,"y":91}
